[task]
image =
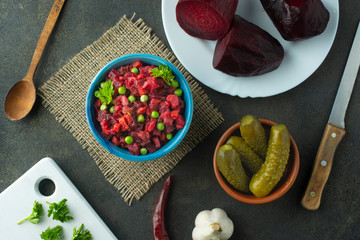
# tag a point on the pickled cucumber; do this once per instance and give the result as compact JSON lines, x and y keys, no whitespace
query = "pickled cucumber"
{"x":254,"y":134}
{"x":250,"y":159}
{"x":271,"y":171}
{"x":229,"y":164}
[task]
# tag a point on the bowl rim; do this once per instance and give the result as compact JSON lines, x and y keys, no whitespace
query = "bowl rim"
{"x":251,"y":199}
{"x":123,"y":153}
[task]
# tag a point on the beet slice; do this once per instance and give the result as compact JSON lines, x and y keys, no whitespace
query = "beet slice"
{"x":247,"y":50}
{"x":206,"y":19}
{"x":297,"y":19}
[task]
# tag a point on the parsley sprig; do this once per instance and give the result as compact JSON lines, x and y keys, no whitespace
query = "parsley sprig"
{"x":35,"y":214}
{"x":81,"y":234}
{"x":52,"y":233}
{"x":105,"y":92}
{"x":59,"y":211}
{"x":164,"y":72}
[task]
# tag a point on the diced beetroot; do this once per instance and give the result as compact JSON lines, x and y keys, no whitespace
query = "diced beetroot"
{"x":174,"y":114}
{"x":134,"y":148}
{"x":206,"y":19}
{"x":124,"y":126}
{"x":180,"y":122}
{"x":156,"y":141}
{"x":247,"y":50}
{"x":127,"y":110}
{"x":164,"y":106}
{"x":169,"y":129}
{"x":166,"y":118}
{"x":137,"y":64}
{"x":153,"y":83}
{"x":173,"y":100}
{"x":163,"y":137}
{"x":117,"y":108}
{"x":150,"y":125}
{"x":97,"y":103}
{"x":115,"y":141}
{"x":154,"y":104}
{"x":141,"y":110}
{"x":113,"y":75}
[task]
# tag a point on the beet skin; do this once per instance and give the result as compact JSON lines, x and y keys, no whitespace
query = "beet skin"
{"x":297,"y":19}
{"x":206,"y":19}
{"x":247,"y":50}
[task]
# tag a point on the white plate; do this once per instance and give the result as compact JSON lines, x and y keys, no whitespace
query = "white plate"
{"x":301,"y":58}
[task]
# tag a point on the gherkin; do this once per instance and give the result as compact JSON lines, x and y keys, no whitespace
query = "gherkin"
{"x":250,"y":159}
{"x":270,"y":173}
{"x":254,"y":134}
{"x":229,"y":164}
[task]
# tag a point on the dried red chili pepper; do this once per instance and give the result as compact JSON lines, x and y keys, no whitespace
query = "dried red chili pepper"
{"x":159,"y":228}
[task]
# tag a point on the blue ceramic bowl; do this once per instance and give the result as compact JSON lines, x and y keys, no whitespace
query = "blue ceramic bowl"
{"x":147,"y":59}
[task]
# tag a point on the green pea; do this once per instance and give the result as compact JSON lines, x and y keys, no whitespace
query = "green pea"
{"x":144,"y":98}
{"x":169,"y":136}
{"x":178,"y":92}
{"x":135,"y":70}
{"x":175,"y":84}
{"x":143,"y":151}
{"x":103,"y":107}
{"x":154,"y":114}
{"x":129,"y":140}
{"x":112,"y":109}
{"x":131,"y":98}
{"x":140,"y":118}
{"x":97,"y":94}
{"x":122,"y":90}
{"x":160,"y":126}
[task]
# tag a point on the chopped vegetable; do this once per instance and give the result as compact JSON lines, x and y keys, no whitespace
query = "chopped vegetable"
{"x":164,"y":72}
{"x":59,"y":211}
{"x":135,"y":70}
{"x":159,"y":228}
{"x":178,"y":92}
{"x":131,"y":98}
{"x":35,"y":215}
{"x":81,"y":234}
{"x":140,"y":118}
{"x":169,"y":136}
{"x":122,"y":90}
{"x":154,"y":114}
{"x":143,"y":151}
{"x":144,"y":98}
{"x":105,"y":92}
{"x":52,"y":233}
{"x":160,"y":126}
{"x":129,"y":140}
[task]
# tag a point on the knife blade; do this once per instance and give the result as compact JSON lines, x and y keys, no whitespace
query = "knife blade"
{"x":334,"y":130}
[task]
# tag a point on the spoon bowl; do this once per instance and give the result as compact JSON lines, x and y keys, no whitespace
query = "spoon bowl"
{"x":20,"y":100}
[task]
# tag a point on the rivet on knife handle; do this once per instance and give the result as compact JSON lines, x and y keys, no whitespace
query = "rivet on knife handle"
{"x":322,"y":166}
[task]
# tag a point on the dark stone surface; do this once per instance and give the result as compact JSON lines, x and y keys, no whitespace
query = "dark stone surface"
{"x":304,"y":109}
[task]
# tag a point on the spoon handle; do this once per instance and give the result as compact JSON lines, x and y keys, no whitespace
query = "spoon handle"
{"x":44,"y":37}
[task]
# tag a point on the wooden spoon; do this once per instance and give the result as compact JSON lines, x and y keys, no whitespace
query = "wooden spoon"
{"x":22,"y":95}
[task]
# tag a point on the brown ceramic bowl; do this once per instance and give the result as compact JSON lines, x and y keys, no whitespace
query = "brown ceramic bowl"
{"x":285,"y":183}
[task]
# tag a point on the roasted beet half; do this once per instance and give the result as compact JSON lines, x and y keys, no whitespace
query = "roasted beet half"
{"x":247,"y":50}
{"x":206,"y":19}
{"x":297,"y":19}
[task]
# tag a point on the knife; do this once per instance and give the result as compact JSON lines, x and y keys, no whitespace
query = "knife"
{"x":334,"y":131}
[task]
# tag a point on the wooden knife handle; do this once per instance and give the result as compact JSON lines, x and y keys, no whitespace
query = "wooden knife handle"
{"x":44,"y":37}
{"x":322,"y":166}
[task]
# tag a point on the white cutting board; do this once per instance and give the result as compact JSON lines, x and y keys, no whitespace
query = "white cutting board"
{"x":16,"y":203}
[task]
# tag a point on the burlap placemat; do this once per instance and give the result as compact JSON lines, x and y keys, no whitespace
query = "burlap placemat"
{"x":64,"y":96}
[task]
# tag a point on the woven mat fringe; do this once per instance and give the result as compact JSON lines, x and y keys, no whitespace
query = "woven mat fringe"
{"x":61,"y":96}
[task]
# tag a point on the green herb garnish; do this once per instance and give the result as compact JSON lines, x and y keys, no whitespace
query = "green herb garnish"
{"x":35,"y":215}
{"x":81,"y":234}
{"x":164,"y":72}
{"x":59,"y":211}
{"x":105,"y":92}
{"x":52,"y":233}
